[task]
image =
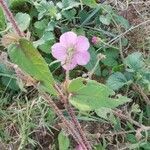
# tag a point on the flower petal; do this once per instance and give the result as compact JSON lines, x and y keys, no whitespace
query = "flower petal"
{"x":79,"y":147}
{"x":68,"y":39}
{"x":82,"y":58}
{"x":70,"y":65}
{"x":59,"y":52}
{"x":82,"y":44}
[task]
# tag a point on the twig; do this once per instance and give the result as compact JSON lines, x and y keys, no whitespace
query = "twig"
{"x":139,"y":90}
{"x":130,"y":29}
{"x":11,"y":18}
{"x":126,"y":117}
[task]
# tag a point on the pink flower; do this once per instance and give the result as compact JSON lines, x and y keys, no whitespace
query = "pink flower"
{"x":95,"y":40}
{"x":79,"y":147}
{"x":72,"y":50}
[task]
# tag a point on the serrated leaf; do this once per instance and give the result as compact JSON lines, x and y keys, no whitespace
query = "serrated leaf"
{"x":111,"y":57}
{"x":92,"y":95}
{"x":69,"y":14}
{"x":45,"y":8}
{"x":116,"y":81}
{"x":106,"y":20}
{"x":30,"y":60}
{"x":23,"y":20}
{"x":134,"y":61}
{"x":63,"y":141}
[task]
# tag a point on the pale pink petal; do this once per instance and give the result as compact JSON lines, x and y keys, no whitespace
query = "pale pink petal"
{"x":68,"y":39}
{"x":79,"y":147}
{"x":70,"y":65}
{"x":59,"y":52}
{"x":82,"y":58}
{"x":82,"y":44}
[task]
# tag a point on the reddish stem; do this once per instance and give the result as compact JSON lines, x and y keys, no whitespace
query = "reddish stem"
{"x":73,"y":118}
{"x":66,"y":122}
{"x":78,"y":126}
{"x":11,"y":18}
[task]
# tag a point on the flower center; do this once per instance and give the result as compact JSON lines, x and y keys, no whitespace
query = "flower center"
{"x":70,"y":54}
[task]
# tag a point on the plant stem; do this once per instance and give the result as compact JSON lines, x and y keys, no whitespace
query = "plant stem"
{"x":78,"y":126}
{"x":127,"y":117}
{"x":94,"y":69}
{"x":73,"y":118}
{"x":67,"y":75}
{"x":11,"y":18}
{"x":66,"y":122}
{"x":137,"y":88}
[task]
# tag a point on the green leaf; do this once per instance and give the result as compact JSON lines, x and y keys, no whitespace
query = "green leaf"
{"x":91,"y":95}
{"x":111,"y":57}
{"x":69,"y":14}
{"x":8,"y":78}
{"x":103,"y":112}
{"x":122,"y":21}
{"x":116,"y":81}
{"x":45,"y":9}
{"x":47,"y":37}
{"x":131,"y":138}
{"x":93,"y":61}
{"x":134,"y":61}
{"x":41,"y":25}
{"x":17,"y":3}
{"x":145,"y":145}
{"x":76,"y":84}
{"x":90,"y":3}
{"x":63,"y":141}
{"x":106,"y":20}
{"x":69,"y":4}
{"x":46,"y":47}
{"x":30,"y":60}
{"x":23,"y":20}
{"x":99,"y":147}
{"x":2,"y":20}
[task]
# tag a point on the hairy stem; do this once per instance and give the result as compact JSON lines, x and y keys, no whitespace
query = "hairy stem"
{"x":11,"y":18}
{"x":78,"y":126}
{"x":66,"y":122}
{"x":73,"y":118}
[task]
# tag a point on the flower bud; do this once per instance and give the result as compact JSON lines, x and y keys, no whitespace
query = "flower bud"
{"x":95,"y":40}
